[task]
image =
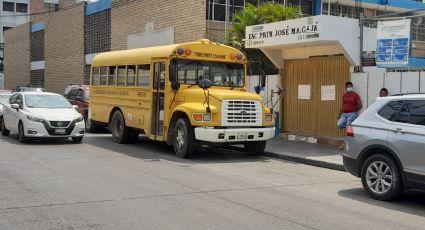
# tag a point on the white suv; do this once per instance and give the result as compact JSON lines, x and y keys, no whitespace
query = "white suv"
{"x":386,"y":146}
{"x":41,"y":115}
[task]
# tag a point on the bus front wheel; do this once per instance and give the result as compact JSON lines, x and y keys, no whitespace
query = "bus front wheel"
{"x":120,"y":133}
{"x":184,"y":138}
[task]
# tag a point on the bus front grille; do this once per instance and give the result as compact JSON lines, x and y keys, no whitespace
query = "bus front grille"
{"x":241,"y":113}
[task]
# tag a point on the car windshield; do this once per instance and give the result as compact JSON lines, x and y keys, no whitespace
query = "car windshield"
{"x":4,"y":98}
{"x":46,"y":101}
{"x":220,"y":73}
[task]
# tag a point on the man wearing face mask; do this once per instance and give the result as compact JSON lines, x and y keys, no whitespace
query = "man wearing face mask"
{"x":351,"y":104}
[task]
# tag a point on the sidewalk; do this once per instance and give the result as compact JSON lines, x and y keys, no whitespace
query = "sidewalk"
{"x":306,"y":153}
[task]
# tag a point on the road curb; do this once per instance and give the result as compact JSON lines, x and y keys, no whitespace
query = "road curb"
{"x":317,"y":163}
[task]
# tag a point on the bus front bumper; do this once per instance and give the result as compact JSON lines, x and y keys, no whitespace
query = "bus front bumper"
{"x":209,"y":134}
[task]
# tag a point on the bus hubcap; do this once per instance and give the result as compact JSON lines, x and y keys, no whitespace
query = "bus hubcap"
{"x":180,"y":138}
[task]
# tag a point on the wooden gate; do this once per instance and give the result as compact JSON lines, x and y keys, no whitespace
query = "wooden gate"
{"x":314,"y":116}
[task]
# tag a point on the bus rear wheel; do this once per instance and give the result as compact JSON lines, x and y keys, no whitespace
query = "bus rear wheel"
{"x":184,"y":138}
{"x":120,"y":132}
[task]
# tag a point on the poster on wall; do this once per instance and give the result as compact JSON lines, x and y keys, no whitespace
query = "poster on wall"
{"x":393,"y":43}
{"x":304,"y":92}
{"x":328,"y":92}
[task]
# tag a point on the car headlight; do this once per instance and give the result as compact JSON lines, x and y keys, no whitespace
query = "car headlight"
{"x":269,"y":117}
{"x":80,"y":119}
{"x":202,"y":117}
{"x":33,"y":118}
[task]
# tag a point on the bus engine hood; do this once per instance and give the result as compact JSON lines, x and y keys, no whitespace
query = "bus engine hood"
{"x":197,"y":94}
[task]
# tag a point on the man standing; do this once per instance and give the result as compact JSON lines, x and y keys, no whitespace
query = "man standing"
{"x":351,"y":104}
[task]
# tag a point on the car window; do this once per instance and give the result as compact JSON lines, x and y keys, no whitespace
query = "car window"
{"x":13,"y":99}
{"x":47,"y":101}
{"x":19,"y":100}
{"x":416,"y":112}
{"x":391,"y":110}
{"x":72,"y":94}
{"x":79,"y":96}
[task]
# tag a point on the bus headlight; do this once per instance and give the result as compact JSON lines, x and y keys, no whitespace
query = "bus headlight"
{"x":206,"y":117}
{"x":269,"y":117}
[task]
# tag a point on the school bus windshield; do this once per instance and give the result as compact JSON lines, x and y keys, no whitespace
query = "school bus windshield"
{"x":219,"y":73}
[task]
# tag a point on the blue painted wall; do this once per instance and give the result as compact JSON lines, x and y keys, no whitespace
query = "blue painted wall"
{"x":98,"y":6}
{"x":406,"y":4}
{"x":37,"y":26}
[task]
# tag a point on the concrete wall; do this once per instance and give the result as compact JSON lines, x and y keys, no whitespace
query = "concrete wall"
{"x":17,"y":56}
{"x":369,"y":84}
{"x":135,"y":16}
{"x":64,"y":49}
{"x":215,"y":31}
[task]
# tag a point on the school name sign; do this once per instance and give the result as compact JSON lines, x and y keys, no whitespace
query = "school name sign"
{"x":291,"y":31}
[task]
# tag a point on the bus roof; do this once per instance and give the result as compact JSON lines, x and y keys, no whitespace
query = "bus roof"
{"x":202,"y":49}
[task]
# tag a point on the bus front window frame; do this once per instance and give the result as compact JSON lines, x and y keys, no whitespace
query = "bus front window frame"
{"x":222,"y":74}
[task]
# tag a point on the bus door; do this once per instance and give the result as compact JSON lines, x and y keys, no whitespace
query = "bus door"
{"x":158,"y":86}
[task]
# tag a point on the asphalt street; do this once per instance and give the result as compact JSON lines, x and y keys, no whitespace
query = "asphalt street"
{"x":102,"y":185}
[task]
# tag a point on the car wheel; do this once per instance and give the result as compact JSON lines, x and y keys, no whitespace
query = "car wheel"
{"x":255,"y":148}
{"x":89,"y":125}
{"x":21,"y":134}
{"x":381,"y":177}
{"x":184,"y":138}
{"x":120,"y":133}
{"x":3,"y":130}
{"x":77,"y":139}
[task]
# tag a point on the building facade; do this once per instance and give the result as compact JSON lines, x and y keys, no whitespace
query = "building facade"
{"x":12,"y":13}
{"x":318,"y":54}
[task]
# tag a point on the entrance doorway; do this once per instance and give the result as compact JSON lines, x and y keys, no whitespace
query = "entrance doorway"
{"x":314,"y":116}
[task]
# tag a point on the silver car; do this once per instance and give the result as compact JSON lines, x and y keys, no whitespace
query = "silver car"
{"x":386,"y":146}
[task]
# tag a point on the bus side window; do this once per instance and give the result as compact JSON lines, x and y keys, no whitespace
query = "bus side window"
{"x":143,"y":74}
{"x":95,"y":76}
{"x":131,"y":75}
{"x":103,"y":75}
{"x":112,"y":75}
{"x":121,"y":76}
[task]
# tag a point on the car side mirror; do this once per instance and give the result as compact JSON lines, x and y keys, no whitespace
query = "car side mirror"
{"x":175,"y":86}
{"x":15,"y":106}
{"x":205,"y":84}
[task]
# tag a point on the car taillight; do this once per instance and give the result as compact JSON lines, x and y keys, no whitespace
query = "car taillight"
{"x":350,"y":132}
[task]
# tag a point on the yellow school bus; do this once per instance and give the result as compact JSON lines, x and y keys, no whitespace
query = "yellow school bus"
{"x":186,"y":95}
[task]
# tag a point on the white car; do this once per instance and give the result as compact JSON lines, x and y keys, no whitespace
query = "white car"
{"x":41,"y":115}
{"x":4,"y":99}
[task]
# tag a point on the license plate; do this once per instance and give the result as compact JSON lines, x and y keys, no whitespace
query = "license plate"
{"x":242,"y":136}
{"x":60,"y":131}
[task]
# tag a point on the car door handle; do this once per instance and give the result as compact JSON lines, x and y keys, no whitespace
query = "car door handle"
{"x":398,"y":130}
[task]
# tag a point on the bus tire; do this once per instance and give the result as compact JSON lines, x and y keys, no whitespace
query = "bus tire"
{"x":184,"y":138}
{"x":120,"y":132}
{"x":255,"y":148}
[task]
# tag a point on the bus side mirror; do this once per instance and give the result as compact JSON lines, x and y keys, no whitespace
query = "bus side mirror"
{"x":257,"y":89}
{"x":175,"y":85}
{"x":205,"y":83}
